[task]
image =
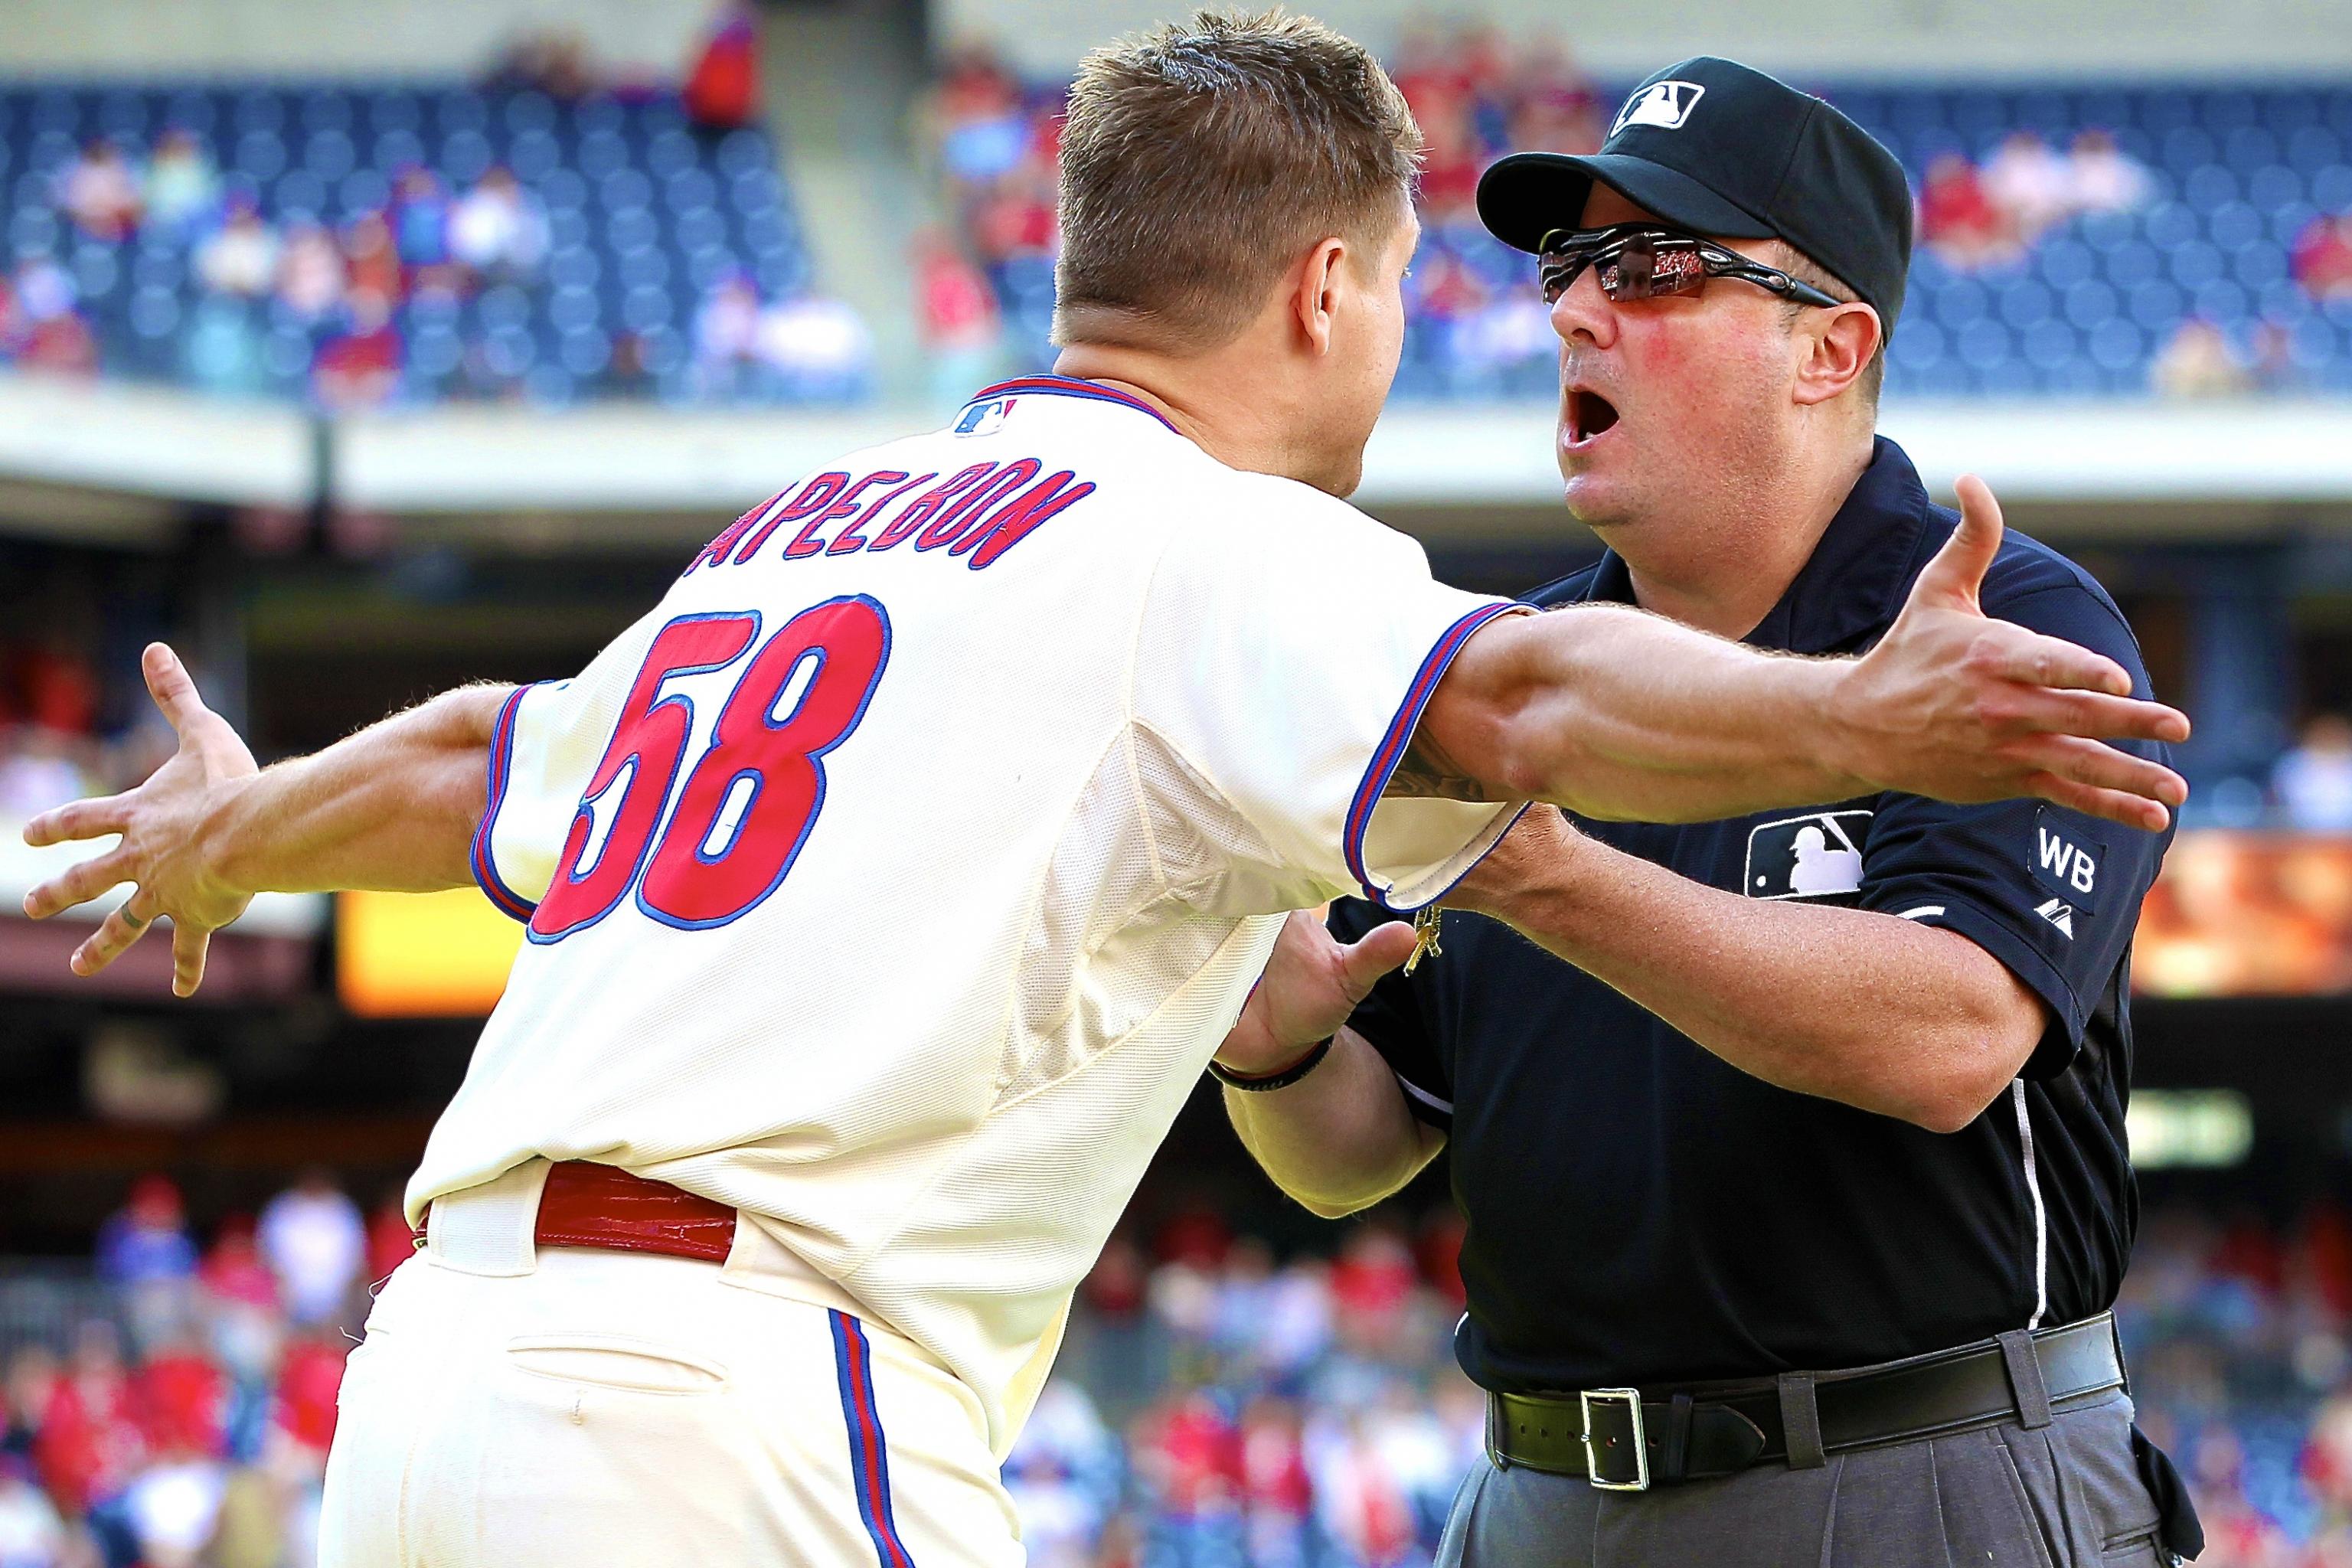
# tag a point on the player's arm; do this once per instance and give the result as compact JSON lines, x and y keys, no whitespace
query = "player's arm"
{"x":1616,"y":714}
{"x":392,"y":807}
{"x":1875,"y":1011}
{"x":1341,"y":1138}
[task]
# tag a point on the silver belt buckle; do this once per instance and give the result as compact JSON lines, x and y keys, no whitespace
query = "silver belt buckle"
{"x":1633,"y":1402}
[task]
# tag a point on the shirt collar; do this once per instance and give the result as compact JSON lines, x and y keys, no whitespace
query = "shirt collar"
{"x":1067,"y":386}
{"x":1854,"y":584}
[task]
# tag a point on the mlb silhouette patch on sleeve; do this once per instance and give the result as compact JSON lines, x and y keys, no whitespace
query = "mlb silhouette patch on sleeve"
{"x":1816,"y":855}
{"x":2066,"y":861}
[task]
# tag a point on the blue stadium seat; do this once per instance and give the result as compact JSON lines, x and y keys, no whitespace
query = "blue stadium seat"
{"x":397,"y":148}
{"x":464,"y":155}
{"x":364,"y":190}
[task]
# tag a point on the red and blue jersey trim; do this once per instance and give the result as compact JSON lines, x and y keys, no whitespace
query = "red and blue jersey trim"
{"x":485,"y":866}
{"x":869,"y":1455}
{"x":1067,"y":386}
{"x":1391,"y":749}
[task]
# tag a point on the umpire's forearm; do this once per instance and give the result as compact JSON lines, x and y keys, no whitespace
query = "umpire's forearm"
{"x":392,"y":807}
{"x":1341,"y":1138}
{"x":1877,"y":1011}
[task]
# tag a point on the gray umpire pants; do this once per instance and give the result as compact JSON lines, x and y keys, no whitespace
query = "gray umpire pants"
{"x":2067,"y":1495}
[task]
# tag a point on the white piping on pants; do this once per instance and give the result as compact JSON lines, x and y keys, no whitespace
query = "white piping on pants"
{"x":2041,"y":1218}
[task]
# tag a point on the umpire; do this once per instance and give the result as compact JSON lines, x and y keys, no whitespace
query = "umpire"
{"x":1798,"y":1194}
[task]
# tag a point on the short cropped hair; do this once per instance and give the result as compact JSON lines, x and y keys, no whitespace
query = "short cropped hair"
{"x":1805,"y":269}
{"x":1200,"y":157}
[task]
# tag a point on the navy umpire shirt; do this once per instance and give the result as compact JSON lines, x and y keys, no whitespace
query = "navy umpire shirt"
{"x":1641,"y":1212}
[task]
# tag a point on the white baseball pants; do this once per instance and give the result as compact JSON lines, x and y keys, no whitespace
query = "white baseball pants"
{"x":562,"y":1407}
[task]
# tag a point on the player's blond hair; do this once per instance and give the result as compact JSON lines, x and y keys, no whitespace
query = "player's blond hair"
{"x":1202,"y":157}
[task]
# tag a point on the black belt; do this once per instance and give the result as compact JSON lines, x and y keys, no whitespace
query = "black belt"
{"x":1628,"y":1439}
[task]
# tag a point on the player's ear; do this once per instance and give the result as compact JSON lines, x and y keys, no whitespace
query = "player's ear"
{"x":1315,"y":289}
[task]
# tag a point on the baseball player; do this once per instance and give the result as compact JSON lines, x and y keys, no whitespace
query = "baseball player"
{"x":891,"y":882}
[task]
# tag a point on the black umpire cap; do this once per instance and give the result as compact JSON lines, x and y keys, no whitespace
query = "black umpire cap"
{"x":1712,"y":146}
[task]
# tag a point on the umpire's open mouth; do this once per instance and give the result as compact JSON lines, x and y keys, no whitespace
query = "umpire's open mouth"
{"x":1590,"y":416}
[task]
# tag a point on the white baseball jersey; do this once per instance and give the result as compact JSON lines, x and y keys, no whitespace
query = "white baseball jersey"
{"x":895,"y":878}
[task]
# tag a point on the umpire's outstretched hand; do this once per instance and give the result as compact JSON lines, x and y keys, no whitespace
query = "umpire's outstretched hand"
{"x":2029,"y":703}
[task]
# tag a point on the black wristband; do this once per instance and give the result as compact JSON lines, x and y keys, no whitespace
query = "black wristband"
{"x":1259,"y":1083}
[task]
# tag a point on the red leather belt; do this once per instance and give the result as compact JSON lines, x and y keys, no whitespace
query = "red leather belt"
{"x":588,"y":1204}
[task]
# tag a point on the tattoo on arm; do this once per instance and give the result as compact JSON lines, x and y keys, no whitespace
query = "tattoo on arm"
{"x":1426,"y":772}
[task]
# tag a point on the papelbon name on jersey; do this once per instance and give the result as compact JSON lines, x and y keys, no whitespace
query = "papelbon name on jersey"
{"x":975,"y":513}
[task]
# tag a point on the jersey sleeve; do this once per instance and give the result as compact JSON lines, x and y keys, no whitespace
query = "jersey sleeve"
{"x":1281,"y":665}
{"x":2051,"y":893}
{"x":1391,"y":1018}
{"x":544,"y":749}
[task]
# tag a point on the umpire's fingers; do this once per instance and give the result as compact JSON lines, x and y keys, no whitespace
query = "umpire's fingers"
{"x":2101,"y":766}
{"x":2102,"y":717}
{"x":2012,"y":653}
{"x":188,"y":946}
{"x":123,"y":927}
{"x":78,"y":884}
{"x":1382,"y":948}
{"x":2113,"y":805}
{"x":2098,"y":780}
{"x":1952,"y":578}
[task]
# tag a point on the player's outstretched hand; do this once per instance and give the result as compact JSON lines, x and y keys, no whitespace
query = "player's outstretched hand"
{"x":1956,"y":705}
{"x":160,"y":849}
{"x":1311,"y":984}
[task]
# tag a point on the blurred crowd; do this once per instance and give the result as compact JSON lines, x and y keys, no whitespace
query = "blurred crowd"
{"x":1975,"y":217}
{"x":2235,"y":1333}
{"x":1216,"y":1406}
{"x":800,"y":347}
{"x":2204,"y":358}
{"x":235,"y":300}
{"x":984,"y":285}
{"x":341,"y":285}
{"x":178,"y":1411}
{"x":53,"y":747}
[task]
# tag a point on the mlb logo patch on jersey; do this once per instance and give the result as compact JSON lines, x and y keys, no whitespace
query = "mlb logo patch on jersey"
{"x":985,"y":417}
{"x":2066,"y":861}
{"x":1816,"y":855}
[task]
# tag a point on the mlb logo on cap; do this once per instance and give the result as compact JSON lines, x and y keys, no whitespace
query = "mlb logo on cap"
{"x":1664,"y":104}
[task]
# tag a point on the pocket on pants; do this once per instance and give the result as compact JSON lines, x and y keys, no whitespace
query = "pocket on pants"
{"x":615,"y":1361}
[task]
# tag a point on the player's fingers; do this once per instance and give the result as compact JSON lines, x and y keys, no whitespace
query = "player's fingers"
{"x":2102,"y":717}
{"x":122,"y":928}
{"x":188,"y":946}
{"x":78,"y":884}
{"x":1951,"y":578}
{"x":80,"y":819}
{"x":172,"y":686}
{"x":1383,"y":949}
{"x":2012,"y":653}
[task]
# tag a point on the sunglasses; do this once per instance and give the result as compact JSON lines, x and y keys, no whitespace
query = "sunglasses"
{"x":1645,"y":261}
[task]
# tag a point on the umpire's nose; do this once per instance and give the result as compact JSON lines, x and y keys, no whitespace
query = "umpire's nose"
{"x":1584,"y":311}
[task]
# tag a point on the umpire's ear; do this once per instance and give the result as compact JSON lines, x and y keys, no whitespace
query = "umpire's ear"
{"x":1833,"y":348}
